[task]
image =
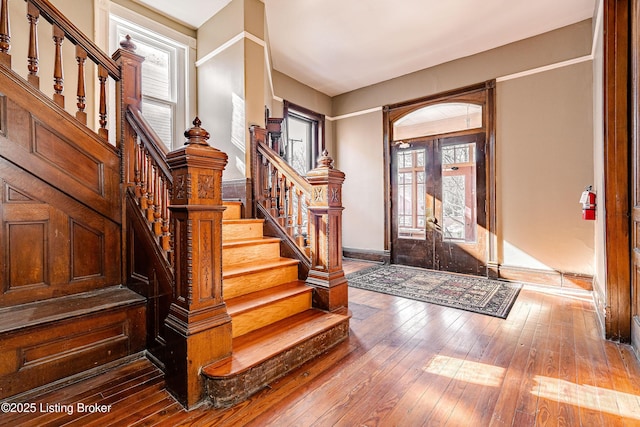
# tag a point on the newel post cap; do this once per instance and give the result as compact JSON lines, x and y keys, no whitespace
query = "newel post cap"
{"x":196,"y":134}
{"x":325,"y":170}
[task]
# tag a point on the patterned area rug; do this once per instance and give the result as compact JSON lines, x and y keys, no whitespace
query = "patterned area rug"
{"x":477,"y":294}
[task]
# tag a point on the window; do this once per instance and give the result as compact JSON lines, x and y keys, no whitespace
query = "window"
{"x":438,"y":119}
{"x":303,"y":140}
{"x":411,"y":194}
{"x":165,"y":72}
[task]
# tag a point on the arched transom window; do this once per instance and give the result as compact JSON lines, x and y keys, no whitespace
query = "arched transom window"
{"x":438,"y":119}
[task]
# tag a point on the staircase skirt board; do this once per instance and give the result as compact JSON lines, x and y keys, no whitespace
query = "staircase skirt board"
{"x":228,"y":385}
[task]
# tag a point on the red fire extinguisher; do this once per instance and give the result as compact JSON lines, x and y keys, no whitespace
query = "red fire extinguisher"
{"x":588,"y":200}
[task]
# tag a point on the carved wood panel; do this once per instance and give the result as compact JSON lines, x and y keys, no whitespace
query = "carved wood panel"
{"x":56,"y":148}
{"x":51,"y":244}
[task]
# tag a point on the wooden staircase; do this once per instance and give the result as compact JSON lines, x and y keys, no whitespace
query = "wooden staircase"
{"x":118,"y":248}
{"x":275,"y":329}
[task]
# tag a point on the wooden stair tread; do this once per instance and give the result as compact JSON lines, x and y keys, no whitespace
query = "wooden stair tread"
{"x":262,"y":344}
{"x":249,"y":241}
{"x":56,"y":309}
{"x":264,"y":297}
{"x":255,"y":266}
{"x":243,"y":221}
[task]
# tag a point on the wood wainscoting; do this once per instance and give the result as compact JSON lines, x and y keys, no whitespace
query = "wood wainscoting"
{"x":367,"y":255}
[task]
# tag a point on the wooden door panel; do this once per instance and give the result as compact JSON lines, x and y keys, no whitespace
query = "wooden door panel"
{"x":432,"y":249}
{"x":460,"y":254}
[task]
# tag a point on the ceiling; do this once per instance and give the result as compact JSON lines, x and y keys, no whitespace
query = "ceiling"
{"x":336,"y":46}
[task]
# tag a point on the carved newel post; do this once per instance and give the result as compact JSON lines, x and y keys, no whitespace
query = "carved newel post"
{"x":198,"y":325}
{"x":325,"y":231}
{"x":130,"y":86}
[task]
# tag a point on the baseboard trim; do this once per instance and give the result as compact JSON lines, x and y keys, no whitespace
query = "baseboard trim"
{"x":545,"y":277}
{"x":367,"y":255}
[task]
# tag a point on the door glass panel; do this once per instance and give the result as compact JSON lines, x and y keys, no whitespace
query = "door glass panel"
{"x":459,"y":193}
{"x":411,"y":194}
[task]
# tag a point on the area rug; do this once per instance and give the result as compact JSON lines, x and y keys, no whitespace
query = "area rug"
{"x":471,"y":293}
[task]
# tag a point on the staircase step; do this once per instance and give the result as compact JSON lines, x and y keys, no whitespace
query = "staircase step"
{"x":234,"y":229}
{"x":246,"y":250}
{"x":233,"y":211}
{"x":267,"y":354}
{"x":243,"y":279}
{"x":259,"y":309}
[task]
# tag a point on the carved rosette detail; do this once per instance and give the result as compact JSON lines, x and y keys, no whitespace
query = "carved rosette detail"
{"x":334,"y":197}
{"x":182,"y":187}
{"x":318,"y":194}
{"x":206,"y":187}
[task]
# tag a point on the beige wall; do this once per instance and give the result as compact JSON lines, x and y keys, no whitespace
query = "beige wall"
{"x":286,"y":88}
{"x":546,"y":117}
{"x":231,"y":83}
{"x":81,"y":14}
{"x":544,"y":147}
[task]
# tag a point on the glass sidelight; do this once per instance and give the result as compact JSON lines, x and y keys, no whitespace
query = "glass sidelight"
{"x":411,"y":194}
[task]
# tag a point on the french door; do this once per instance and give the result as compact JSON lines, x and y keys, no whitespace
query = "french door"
{"x":438,"y":197}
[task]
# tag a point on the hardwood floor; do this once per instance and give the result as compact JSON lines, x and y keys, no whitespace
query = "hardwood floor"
{"x":408,"y":363}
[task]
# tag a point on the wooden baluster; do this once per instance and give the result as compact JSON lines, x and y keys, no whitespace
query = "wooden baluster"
{"x":157,"y":205}
{"x":264,"y":181}
{"x":266,"y":167}
{"x":150,"y":191}
{"x":306,"y":219}
{"x":281,"y":199}
{"x":33,"y":14}
{"x":81,"y":57}
{"x":58,"y":74}
{"x":136,"y":171}
{"x":290,"y":197}
{"x":274,"y":191}
{"x":145,"y":184}
{"x":5,"y":34}
{"x":102,"y":77}
{"x":164,"y":240}
{"x":299,"y":220}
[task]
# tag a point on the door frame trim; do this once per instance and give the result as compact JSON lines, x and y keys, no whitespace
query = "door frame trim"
{"x":617,"y":163}
{"x":392,"y":112}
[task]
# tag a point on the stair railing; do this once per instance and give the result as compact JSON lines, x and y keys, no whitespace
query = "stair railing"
{"x":85,"y":49}
{"x":152,"y":180}
{"x":281,"y":196}
{"x":306,"y":213}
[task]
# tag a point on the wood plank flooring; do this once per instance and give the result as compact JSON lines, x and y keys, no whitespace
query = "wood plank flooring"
{"x":408,"y":363}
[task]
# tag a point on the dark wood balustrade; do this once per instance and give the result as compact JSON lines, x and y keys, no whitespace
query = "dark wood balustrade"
{"x":63,"y":30}
{"x":152,"y":180}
